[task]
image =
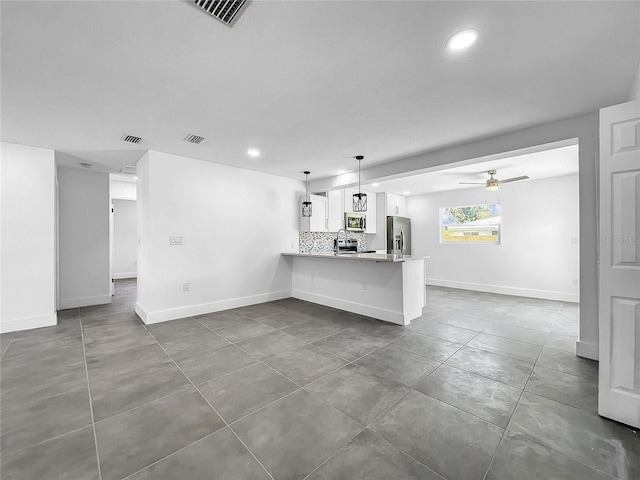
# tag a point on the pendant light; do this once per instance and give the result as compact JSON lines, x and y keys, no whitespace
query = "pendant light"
{"x":306,"y":205}
{"x":359,"y":199}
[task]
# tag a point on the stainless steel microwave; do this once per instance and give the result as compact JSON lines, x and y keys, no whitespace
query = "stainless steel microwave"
{"x":356,"y":222}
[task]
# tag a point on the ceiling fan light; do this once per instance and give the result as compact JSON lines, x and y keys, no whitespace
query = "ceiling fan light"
{"x":492,"y":183}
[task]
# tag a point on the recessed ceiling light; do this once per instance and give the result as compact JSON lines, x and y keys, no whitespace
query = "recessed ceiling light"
{"x":340,"y":172}
{"x":462,"y":40}
{"x":253,"y":152}
{"x":375,"y":185}
{"x":86,"y":165}
{"x":407,"y":192}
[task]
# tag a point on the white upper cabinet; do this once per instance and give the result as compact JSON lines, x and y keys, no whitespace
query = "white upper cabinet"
{"x":372,"y":223}
{"x":396,"y":205}
{"x":335,"y":210}
{"x":318,"y":221}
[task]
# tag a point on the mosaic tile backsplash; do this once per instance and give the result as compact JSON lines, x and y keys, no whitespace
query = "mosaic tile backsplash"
{"x":322,"y":242}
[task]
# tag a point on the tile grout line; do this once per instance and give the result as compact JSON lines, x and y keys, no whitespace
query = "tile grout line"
{"x":210,"y":405}
{"x":408,"y":455}
{"x":546,"y":447}
{"x":302,"y":387}
{"x":7,"y":347}
{"x":338,"y":450}
{"x":186,"y":387}
{"x":504,"y":432}
{"x":41,"y":442}
{"x":93,"y":420}
{"x":155,"y":462}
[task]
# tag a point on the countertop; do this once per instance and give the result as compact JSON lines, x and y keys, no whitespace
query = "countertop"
{"x":370,"y":257}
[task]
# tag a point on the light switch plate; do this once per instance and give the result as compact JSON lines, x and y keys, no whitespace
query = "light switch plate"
{"x":175,"y":239}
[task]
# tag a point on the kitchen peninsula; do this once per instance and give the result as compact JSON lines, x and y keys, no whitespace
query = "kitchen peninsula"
{"x":382,"y":286}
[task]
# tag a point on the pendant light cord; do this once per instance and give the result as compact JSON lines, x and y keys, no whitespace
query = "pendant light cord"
{"x":306,"y":185}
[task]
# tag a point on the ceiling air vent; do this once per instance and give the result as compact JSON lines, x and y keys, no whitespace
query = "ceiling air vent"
{"x":191,"y":138}
{"x":223,"y":10}
{"x":130,"y":138}
{"x":128,"y":169}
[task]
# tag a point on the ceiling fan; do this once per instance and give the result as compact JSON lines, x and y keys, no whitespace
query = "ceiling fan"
{"x":492,"y":183}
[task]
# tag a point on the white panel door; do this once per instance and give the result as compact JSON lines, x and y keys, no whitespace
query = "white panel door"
{"x":111,"y":242}
{"x":619,"y":272}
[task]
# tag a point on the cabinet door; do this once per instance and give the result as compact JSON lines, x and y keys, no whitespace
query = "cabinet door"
{"x":318,"y":220}
{"x":396,"y":205}
{"x":371,"y":212}
{"x":335,"y":210}
{"x":402,"y":206}
{"x":392,"y":205}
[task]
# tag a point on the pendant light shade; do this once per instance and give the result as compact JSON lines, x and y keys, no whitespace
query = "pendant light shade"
{"x":306,"y":205}
{"x":359,"y":199}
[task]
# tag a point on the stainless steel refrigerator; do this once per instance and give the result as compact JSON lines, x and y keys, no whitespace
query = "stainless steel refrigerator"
{"x":399,"y":235}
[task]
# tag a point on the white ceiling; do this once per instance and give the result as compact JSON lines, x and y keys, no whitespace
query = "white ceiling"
{"x":309,"y":83}
{"x":537,"y":166}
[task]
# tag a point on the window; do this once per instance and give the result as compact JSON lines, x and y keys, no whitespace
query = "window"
{"x":477,"y":224}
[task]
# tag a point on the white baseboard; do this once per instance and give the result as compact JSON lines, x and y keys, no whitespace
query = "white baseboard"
{"x":587,"y":350}
{"x":122,"y":276}
{"x":141,"y":312}
{"x":83,"y":302}
{"x":359,"y":308}
{"x":504,"y":290}
{"x":156,"y":316}
{"x":27,"y":323}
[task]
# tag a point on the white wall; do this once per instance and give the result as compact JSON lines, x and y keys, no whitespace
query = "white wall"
{"x":584,"y":130}
{"x":634,"y":94}
{"x":83,"y":237}
{"x":125,"y":238}
{"x":234,"y":224}
{"x":122,"y":190}
{"x":27,"y":238}
{"x":536,"y":257}
{"x":144,"y":282}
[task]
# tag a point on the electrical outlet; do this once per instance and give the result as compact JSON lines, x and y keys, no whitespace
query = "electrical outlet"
{"x":175,"y":239}
{"x":311,"y":277}
{"x":574,"y":240}
{"x":364,"y":285}
{"x":186,"y":287}
{"x":575,"y":281}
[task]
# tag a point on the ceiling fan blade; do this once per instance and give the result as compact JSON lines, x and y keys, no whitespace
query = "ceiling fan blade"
{"x":514,"y":179}
{"x":472,"y":183}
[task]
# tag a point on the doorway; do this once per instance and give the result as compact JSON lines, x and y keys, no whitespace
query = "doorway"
{"x":124,"y":228}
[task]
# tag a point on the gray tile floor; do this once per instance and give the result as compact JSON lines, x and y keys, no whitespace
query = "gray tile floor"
{"x":482,"y":386}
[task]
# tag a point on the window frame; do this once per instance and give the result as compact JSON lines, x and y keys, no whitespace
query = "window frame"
{"x":474,"y":230}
